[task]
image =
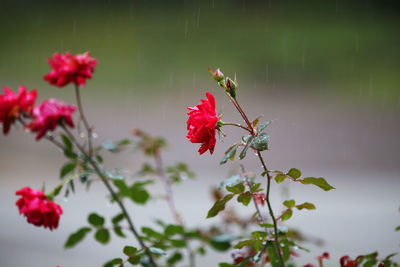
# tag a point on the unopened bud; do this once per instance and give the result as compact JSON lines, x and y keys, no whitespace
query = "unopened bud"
{"x":230,"y":84}
{"x":218,"y":75}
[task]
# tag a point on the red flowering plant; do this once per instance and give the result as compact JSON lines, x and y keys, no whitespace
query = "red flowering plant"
{"x":260,"y":240}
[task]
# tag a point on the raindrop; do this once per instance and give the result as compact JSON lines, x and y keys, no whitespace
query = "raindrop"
{"x":198,"y":18}
{"x":171,"y":79}
{"x":186,"y":28}
{"x":82,"y":135}
{"x":95,"y":135}
{"x":213,"y":3}
{"x":65,"y":198}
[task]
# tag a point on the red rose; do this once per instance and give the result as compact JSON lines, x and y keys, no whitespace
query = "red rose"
{"x":48,"y":114}
{"x":11,"y":105}
{"x":202,"y":124}
{"x":70,"y":68}
{"x":37,"y":209}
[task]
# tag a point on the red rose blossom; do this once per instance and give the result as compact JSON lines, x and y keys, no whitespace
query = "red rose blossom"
{"x":202,"y":124}
{"x":70,"y":68}
{"x":11,"y":105}
{"x":48,"y":114}
{"x":37,"y":209}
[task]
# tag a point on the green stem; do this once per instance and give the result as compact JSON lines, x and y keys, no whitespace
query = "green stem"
{"x":85,"y":122}
{"x":237,"y":125}
{"x":113,"y":194}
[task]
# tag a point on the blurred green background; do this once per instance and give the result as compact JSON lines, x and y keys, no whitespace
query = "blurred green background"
{"x":327,"y":47}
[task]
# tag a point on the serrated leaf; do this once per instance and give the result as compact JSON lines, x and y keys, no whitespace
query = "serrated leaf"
{"x":262,"y":126}
{"x":236,"y":189}
{"x":320,"y":182}
{"x":306,"y":205}
{"x":157,"y":251}
{"x":95,"y":219}
{"x":289,"y":203}
{"x":229,"y":154}
{"x":271,"y":251}
{"x":254,"y":188}
{"x":102,"y":236}
{"x":246,"y":147}
{"x":218,"y":206}
{"x":260,"y":142}
{"x":118,"y":218}
{"x":67,"y":168}
{"x":280,"y":178}
{"x":130,"y":251}
{"x":76,"y":237}
{"x":286,"y":215}
{"x":294,"y":173}
{"x":244,"y":198}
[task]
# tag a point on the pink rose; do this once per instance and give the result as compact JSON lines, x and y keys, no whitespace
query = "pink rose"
{"x":11,"y":105}
{"x":70,"y":68}
{"x":37,"y":209}
{"x":48,"y":114}
{"x":202,"y":124}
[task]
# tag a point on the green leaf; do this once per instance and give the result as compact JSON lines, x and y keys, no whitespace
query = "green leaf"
{"x":118,"y":231}
{"x":286,"y":215}
{"x":124,"y":142}
{"x":102,"y":236}
{"x":138,"y":194}
{"x":271,"y":250}
{"x":135,"y":259}
{"x":244,"y":198}
{"x":76,"y":237}
{"x":157,"y":251}
{"x":254,"y":188}
{"x":236,"y":189}
{"x":99,"y":159}
{"x":229,"y":154}
{"x":67,"y":168}
{"x":289,"y":203}
{"x":267,"y":225}
{"x":259,"y":234}
{"x":67,"y":142}
{"x":306,"y":205}
{"x":173,"y":229}
{"x":320,"y":182}
{"x":95,"y":219}
{"x":257,"y":245}
{"x":108,"y":264}
{"x":224,"y":264}
{"x":231,"y":181}
{"x":262,"y":126}
{"x":220,"y":245}
{"x":177,"y":256}
{"x":248,"y":143}
{"x":117,"y":261}
{"x":122,"y":187}
{"x":178,"y":243}
{"x":244,"y":243}
{"x":294,"y":173}
{"x":219,"y":206}
{"x":260,"y":143}
{"x":397,"y":228}
{"x":118,"y":218}
{"x":130,"y":251}
{"x":280,"y":178}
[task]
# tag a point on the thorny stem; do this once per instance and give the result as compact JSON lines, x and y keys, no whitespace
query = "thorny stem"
{"x":171,"y":202}
{"x":85,"y":122}
{"x":271,"y":213}
{"x":112,"y":192}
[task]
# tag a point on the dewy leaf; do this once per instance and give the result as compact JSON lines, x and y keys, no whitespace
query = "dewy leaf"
{"x":244,"y":151}
{"x":271,"y":250}
{"x":236,"y":189}
{"x":95,"y":219}
{"x":287,"y":214}
{"x":130,"y":251}
{"x":244,"y":198}
{"x":254,"y":188}
{"x":294,"y":173}
{"x":262,"y":126}
{"x":102,"y":236}
{"x":280,"y":178}
{"x":244,"y":243}
{"x":157,"y":251}
{"x":260,"y":143}
{"x":259,"y":234}
{"x":219,"y":206}
{"x":320,"y":182}
{"x":289,"y":203}
{"x":306,"y":205}
{"x":231,"y":181}
{"x":67,"y":168}
{"x":229,"y":154}
{"x":110,"y":146}
{"x":76,"y":237}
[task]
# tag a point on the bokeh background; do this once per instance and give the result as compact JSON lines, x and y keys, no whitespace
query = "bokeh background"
{"x":326,"y":72}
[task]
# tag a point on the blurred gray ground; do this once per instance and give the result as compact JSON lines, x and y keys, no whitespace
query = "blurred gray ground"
{"x":354,"y":147}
